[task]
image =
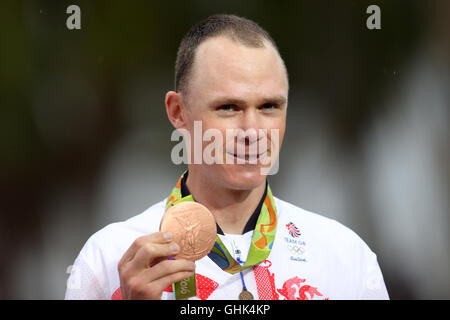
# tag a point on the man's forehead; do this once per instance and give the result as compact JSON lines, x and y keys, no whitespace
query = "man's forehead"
{"x":227,"y":49}
{"x":221,"y":61}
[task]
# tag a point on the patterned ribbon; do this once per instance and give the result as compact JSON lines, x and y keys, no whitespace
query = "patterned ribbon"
{"x":262,"y":240}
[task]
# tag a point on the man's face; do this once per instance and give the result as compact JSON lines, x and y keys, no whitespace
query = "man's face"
{"x":234,"y":87}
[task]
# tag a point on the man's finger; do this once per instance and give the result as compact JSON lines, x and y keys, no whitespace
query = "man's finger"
{"x":157,"y":237}
{"x":150,"y":251}
{"x":165,"y":268}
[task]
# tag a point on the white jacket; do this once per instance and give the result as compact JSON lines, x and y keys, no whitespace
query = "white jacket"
{"x":312,"y":257}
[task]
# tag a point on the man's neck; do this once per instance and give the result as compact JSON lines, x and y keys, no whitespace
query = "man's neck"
{"x":231,"y":208}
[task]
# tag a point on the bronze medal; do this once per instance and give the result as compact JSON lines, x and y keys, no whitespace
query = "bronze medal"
{"x":193,"y":228}
{"x":245,"y":295}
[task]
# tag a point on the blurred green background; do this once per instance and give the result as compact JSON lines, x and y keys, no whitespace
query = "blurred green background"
{"x":85,"y":140}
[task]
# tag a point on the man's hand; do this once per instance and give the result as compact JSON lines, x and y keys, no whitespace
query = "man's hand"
{"x":145,"y":271}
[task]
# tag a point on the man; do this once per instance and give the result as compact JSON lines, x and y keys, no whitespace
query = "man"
{"x":230,"y":78}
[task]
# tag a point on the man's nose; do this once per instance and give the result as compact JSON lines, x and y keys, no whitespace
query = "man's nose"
{"x":249,"y":127}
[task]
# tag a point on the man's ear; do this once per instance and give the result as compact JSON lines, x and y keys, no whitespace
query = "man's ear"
{"x":175,"y":109}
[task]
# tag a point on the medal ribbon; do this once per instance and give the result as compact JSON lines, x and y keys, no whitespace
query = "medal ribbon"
{"x":262,"y":240}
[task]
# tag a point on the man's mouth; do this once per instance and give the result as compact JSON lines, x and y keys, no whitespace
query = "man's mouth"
{"x":247,"y":157}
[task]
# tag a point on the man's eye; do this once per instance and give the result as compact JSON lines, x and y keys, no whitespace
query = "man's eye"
{"x":226,"y":107}
{"x":268,"y":106}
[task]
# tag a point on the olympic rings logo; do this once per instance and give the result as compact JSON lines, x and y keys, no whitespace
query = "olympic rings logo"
{"x":297,"y":250}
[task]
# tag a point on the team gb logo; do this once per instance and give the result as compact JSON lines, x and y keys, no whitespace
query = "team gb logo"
{"x":293,"y":230}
